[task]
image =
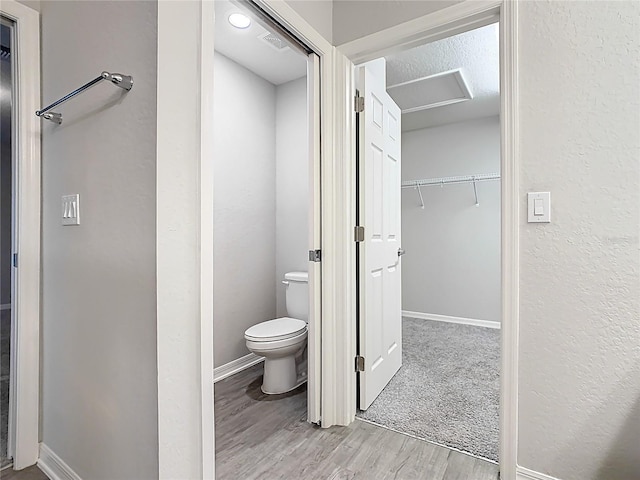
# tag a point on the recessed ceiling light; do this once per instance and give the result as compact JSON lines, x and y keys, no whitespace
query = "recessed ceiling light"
{"x":239,"y":20}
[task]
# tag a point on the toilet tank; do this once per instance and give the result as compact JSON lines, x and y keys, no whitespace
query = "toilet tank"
{"x":297,"y":295}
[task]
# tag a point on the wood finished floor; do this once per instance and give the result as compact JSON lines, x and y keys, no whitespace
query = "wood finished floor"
{"x":267,"y":437}
{"x":31,"y":473}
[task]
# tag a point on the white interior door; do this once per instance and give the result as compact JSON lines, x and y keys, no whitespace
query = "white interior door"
{"x":380,"y":316}
{"x":313,"y":339}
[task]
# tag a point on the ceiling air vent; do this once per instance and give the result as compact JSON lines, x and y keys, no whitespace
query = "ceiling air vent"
{"x":274,"y":41}
{"x":429,"y":92}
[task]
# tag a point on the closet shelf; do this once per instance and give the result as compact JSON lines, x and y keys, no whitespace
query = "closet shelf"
{"x":450,"y":180}
{"x":442,"y":181}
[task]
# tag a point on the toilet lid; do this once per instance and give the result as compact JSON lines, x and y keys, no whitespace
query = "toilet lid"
{"x":278,"y":329}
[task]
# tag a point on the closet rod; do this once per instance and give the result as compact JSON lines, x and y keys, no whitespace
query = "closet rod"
{"x":123,"y":81}
{"x":428,"y":182}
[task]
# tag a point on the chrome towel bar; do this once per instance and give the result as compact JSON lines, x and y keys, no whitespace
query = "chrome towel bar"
{"x":123,"y":81}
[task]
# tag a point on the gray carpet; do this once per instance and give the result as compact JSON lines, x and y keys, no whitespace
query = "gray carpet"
{"x":448,"y":389}
{"x":5,"y":343}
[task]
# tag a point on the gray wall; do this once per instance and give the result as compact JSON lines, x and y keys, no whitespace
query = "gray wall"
{"x":579,"y":331}
{"x":34,"y":4}
{"x":341,"y":21}
{"x":99,"y":375}
{"x":452,"y":264}
{"x":579,"y":392}
{"x":292,"y":183}
{"x":579,"y":370}
{"x":318,"y":13}
{"x":354,"y":19}
{"x":244,"y":206}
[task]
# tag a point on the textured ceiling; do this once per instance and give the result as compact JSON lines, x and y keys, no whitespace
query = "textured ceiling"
{"x":246,"y":48}
{"x":475,"y":52}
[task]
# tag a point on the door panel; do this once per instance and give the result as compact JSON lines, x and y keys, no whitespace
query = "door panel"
{"x":380,"y":320}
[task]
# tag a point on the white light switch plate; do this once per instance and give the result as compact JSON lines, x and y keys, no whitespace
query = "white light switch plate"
{"x":539,"y":207}
{"x":71,"y":209}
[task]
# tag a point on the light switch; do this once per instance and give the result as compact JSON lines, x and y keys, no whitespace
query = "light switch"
{"x":539,"y":207}
{"x":71,"y":209}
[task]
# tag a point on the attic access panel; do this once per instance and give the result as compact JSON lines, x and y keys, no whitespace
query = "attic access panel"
{"x":433,"y":91}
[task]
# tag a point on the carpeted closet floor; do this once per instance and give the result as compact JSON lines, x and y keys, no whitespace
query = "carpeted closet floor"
{"x":448,"y":389}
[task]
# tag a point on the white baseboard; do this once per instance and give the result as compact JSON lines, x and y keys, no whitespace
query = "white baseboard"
{"x":526,"y":474}
{"x":53,"y":466}
{"x":231,"y":368}
{"x":445,"y":318}
{"x":5,"y":306}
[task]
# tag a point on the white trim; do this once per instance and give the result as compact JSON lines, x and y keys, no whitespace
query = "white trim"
{"x":24,"y":393}
{"x":54,"y":467}
{"x":236,"y":366}
{"x":510,"y":195}
{"x":5,"y":306}
{"x":452,"y":20}
{"x":449,"y":21}
{"x":184,"y":353}
{"x":176,"y":238}
{"x":207,"y":372}
{"x":526,"y":474}
{"x":294,"y":23}
{"x":448,"y":319}
{"x":314,"y":344}
{"x":339,"y":273}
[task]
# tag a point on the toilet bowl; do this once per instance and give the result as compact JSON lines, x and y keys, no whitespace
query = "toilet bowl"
{"x":280,"y":340}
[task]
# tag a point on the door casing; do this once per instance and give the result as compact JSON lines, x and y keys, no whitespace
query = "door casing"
{"x":24,"y":391}
{"x":453,"y":20}
{"x":338,"y":214}
{"x":184,"y":255}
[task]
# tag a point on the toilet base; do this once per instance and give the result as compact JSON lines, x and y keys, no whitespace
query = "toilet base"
{"x":300,"y":382}
{"x":281,"y":376}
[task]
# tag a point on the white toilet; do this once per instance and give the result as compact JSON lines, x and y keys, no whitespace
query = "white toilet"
{"x":280,"y":340}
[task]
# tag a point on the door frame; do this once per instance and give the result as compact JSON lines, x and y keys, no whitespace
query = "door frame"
{"x":184,"y":226}
{"x":450,"y":21}
{"x":24,"y":392}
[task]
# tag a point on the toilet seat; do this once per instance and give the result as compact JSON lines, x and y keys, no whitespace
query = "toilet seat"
{"x":277,"y":345}
{"x":274,"y":330}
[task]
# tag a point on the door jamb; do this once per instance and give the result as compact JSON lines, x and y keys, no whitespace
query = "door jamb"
{"x":444,"y":23}
{"x":25,"y":368}
{"x":331,"y":216}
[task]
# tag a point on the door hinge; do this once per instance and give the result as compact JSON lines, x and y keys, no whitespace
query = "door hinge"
{"x":315,"y":255}
{"x":14,"y":260}
{"x":359,"y":363}
{"x":358,"y":234}
{"x":358,"y":104}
